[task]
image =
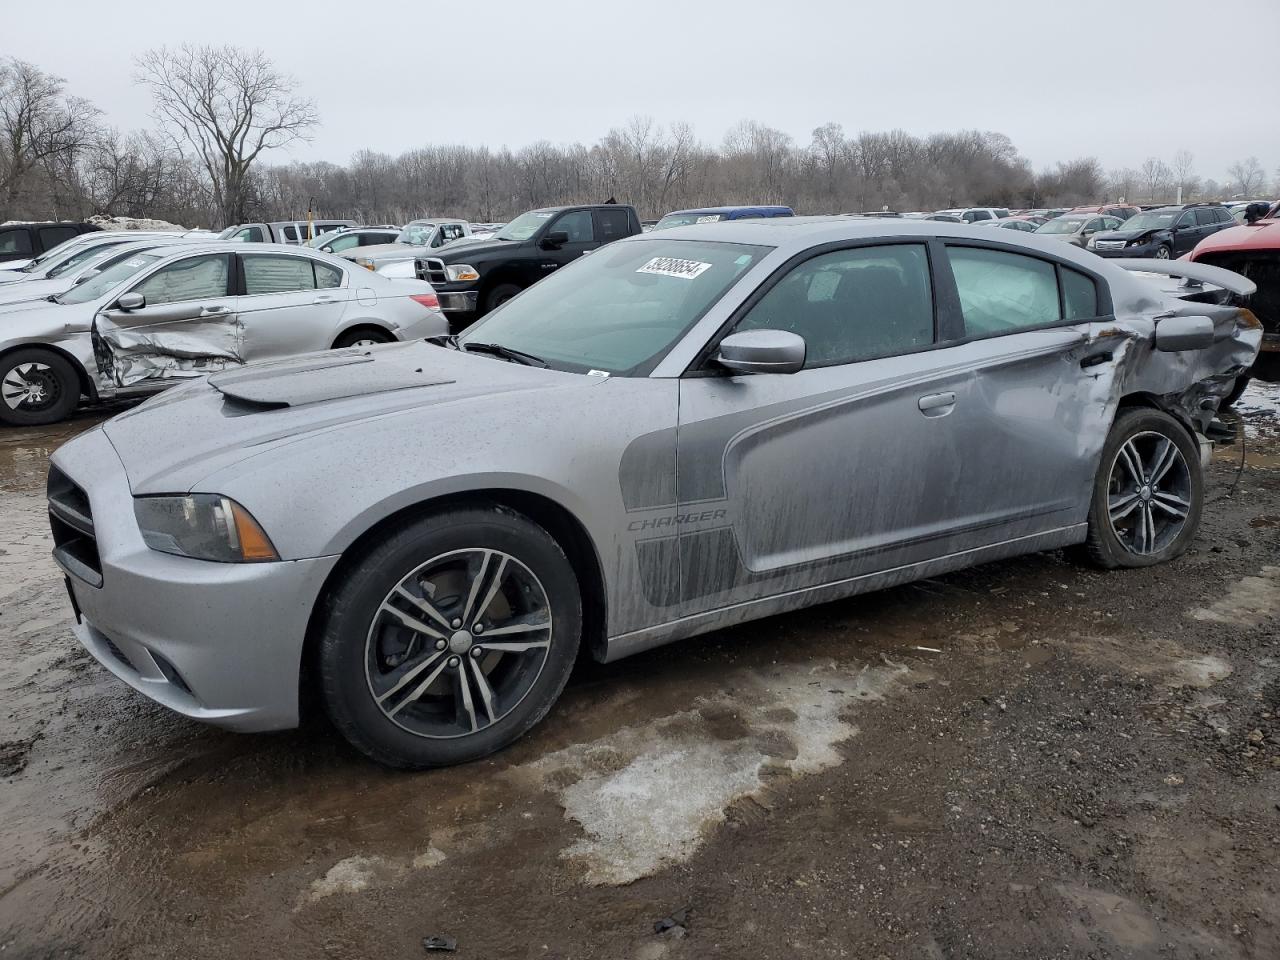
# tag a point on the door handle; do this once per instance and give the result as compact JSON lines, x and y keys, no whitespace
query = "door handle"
{"x":325,"y":298}
{"x":213,"y":311}
{"x":937,"y":404}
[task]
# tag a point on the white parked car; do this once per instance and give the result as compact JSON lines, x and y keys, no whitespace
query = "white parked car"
{"x":164,"y":315}
{"x":976,"y":214}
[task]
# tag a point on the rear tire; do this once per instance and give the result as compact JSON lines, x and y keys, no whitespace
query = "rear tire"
{"x":37,"y":387}
{"x":450,"y":638}
{"x":1148,"y":493}
{"x":499,"y":295}
{"x":362,"y":337}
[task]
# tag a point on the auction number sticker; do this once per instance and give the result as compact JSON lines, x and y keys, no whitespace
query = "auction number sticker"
{"x":709,"y":218}
{"x":673,"y":267}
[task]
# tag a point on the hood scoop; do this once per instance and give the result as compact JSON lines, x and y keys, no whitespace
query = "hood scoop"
{"x":294,"y":383}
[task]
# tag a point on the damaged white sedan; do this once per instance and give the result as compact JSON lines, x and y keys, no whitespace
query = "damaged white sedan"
{"x":687,"y":429}
{"x":174,"y":313}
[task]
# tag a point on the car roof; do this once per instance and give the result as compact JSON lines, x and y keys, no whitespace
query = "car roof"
{"x":729,"y":209}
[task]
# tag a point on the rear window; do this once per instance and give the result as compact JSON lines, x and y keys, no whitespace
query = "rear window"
{"x":15,"y":241}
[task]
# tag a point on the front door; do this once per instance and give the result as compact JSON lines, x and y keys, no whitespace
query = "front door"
{"x":846,"y":467}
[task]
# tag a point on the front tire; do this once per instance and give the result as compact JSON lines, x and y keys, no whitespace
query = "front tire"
{"x":450,"y":638}
{"x":1163,"y":252}
{"x":37,"y":387}
{"x":1148,"y":493}
{"x":499,"y":295}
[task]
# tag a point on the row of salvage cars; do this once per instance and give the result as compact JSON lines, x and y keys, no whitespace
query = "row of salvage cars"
{"x":685,"y":430}
{"x":108,"y":315}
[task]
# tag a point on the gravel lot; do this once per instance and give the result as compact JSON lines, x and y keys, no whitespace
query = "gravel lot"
{"x":1029,"y":759}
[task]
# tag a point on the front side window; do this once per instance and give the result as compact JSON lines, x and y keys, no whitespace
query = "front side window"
{"x":268,"y":274}
{"x":191,"y":279}
{"x":852,"y":305}
{"x":1188,"y":219}
{"x":619,"y":310}
{"x":577,"y":225}
{"x":1003,"y":292}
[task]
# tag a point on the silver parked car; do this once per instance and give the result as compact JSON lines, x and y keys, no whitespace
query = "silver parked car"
{"x":1077,"y":228}
{"x":684,"y":430}
{"x":76,"y":270}
{"x":396,"y":259}
{"x":74,"y":251}
{"x":168,"y":314}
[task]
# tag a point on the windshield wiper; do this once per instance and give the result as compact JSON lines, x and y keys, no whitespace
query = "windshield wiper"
{"x":449,"y":340}
{"x":506,"y":353}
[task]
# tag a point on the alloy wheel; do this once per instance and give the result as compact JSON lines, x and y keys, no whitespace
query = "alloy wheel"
{"x":1162,"y":253}
{"x":30,"y":387}
{"x":1149,"y":493}
{"x":457,"y":644}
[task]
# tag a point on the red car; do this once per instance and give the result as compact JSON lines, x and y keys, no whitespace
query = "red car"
{"x":1254,"y":251}
{"x":1122,"y":210}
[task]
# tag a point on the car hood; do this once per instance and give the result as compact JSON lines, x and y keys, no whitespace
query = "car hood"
{"x":384,"y":251}
{"x":459,"y":252}
{"x":1124,"y":234}
{"x":174,"y":440}
{"x":1263,"y":235}
{"x":14,"y":275}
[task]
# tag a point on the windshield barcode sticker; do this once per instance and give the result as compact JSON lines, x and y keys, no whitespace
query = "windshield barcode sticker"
{"x":671,"y":267}
{"x":709,"y":218}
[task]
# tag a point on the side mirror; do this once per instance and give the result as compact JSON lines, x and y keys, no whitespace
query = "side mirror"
{"x":555,"y":239}
{"x":762,"y":351}
{"x":327,"y":249}
{"x":1184,"y":333}
{"x":131,"y":301}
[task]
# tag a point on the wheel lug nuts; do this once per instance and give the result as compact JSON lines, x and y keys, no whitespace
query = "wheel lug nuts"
{"x":454,"y":661}
{"x":476,"y":652}
{"x":478,"y":628}
{"x":440,"y":644}
{"x":456,"y":623}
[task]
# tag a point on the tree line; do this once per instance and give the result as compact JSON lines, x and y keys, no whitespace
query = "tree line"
{"x":220,"y":111}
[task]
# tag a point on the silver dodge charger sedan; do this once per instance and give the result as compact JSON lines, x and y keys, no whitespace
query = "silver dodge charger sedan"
{"x":685,"y":430}
{"x":179,"y":311}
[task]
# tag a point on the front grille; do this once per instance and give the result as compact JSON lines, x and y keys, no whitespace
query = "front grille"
{"x":1108,"y":244}
{"x":431,"y":269}
{"x":70,"y":517}
{"x":116,"y":651}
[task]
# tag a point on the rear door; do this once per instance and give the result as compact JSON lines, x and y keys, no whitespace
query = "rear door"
{"x":289,"y":304}
{"x":612,"y":225}
{"x":187,"y":326}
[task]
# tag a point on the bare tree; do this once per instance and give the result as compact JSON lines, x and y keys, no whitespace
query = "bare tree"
{"x":230,"y":105}
{"x":1184,"y":174}
{"x":40,"y":127}
{"x":1153,"y":175}
{"x":1248,"y":175}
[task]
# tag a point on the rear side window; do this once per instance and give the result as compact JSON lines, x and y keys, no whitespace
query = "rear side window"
{"x":1079,"y":295}
{"x":1206,"y":216}
{"x":373,"y":239}
{"x":327,"y":277}
{"x":289,"y":232}
{"x":15,"y":241}
{"x":1003,"y":292}
{"x":346,"y":242}
{"x":611,"y":225}
{"x":52,"y":236}
{"x":973,"y":216}
{"x":267,"y":274}
{"x":191,"y":279}
{"x":248,"y":235}
{"x":852,"y":305}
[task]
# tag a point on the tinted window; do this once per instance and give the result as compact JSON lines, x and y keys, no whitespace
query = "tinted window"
{"x":266,"y":274}
{"x":452,"y":231}
{"x":191,"y":279}
{"x":245,"y":234}
{"x":973,"y":216}
{"x":1079,"y":295}
{"x":372,"y":239}
{"x":1206,"y":215}
{"x":611,"y":224}
{"x":15,"y":241}
{"x":290,"y":232}
{"x":1003,"y":292}
{"x":327,"y":277}
{"x":1188,"y":219}
{"x":577,"y":225}
{"x":852,"y":304}
{"x":52,"y":236}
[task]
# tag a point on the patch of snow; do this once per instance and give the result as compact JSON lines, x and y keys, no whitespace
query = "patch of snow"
{"x":132,"y":223}
{"x":1248,"y":603}
{"x":346,"y":876}
{"x":1202,"y":671}
{"x":648,"y":796}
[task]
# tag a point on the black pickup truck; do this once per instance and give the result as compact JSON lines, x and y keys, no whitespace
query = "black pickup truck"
{"x":471,"y":278}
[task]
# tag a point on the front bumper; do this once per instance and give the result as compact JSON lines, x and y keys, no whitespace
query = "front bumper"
{"x":1144,"y":250}
{"x":220,"y":642}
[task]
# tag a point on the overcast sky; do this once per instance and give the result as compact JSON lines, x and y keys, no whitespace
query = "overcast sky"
{"x":1118,"y":80}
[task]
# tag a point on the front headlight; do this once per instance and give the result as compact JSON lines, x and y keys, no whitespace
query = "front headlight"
{"x":1140,"y":242}
{"x":365,"y":262}
{"x":203,"y":526}
{"x":461,"y":272}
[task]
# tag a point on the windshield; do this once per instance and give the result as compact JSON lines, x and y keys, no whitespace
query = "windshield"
{"x":1150,"y":221}
{"x":109,"y":279}
{"x":1062,"y":225}
{"x":417,"y":234}
{"x":620,"y":309}
{"x":525,"y":226}
{"x":320,"y":240}
{"x":81,"y":256}
{"x":685,"y":219}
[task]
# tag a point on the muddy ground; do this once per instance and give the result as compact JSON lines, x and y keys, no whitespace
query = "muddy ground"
{"x":1029,"y":759}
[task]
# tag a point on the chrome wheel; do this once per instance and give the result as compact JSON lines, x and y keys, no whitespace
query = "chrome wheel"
{"x":458,"y":643}
{"x":1162,"y":253}
{"x":30,"y":387}
{"x":1149,"y":493}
